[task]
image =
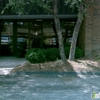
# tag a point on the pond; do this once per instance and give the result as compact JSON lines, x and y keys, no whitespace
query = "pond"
{"x":48,"y":86}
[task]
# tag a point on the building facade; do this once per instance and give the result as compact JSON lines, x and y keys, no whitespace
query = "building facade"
{"x":36,"y":22}
{"x":89,"y":38}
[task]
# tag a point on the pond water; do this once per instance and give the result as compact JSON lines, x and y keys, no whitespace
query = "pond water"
{"x":48,"y":87}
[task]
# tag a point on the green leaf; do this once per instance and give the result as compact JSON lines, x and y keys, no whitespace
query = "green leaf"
{"x":2,"y":11}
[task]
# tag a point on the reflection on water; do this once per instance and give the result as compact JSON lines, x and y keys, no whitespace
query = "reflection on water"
{"x":47,"y":87}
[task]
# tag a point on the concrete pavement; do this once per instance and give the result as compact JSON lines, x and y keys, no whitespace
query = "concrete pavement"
{"x":8,"y":63}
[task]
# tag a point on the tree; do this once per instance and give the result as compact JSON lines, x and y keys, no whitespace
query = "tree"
{"x":58,"y":29}
{"x":82,"y":6}
{"x":19,"y":7}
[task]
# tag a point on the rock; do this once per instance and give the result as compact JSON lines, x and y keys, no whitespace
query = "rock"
{"x":59,"y":63}
{"x":26,"y":64}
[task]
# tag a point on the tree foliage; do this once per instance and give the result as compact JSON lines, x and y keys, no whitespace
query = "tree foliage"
{"x":82,"y":6}
{"x":21,"y":7}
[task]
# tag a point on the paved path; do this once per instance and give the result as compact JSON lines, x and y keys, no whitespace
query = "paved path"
{"x":8,"y":63}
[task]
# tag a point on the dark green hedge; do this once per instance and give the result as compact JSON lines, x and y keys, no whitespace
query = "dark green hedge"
{"x":51,"y":54}
{"x":36,"y":55}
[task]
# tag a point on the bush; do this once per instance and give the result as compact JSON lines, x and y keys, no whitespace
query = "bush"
{"x":41,"y":55}
{"x":36,"y":55}
{"x":78,"y":52}
{"x":52,"y":54}
{"x":67,"y":49}
{"x":67,"y":44}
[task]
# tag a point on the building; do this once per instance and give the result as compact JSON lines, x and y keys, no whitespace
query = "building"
{"x":89,"y":38}
{"x":34,"y":22}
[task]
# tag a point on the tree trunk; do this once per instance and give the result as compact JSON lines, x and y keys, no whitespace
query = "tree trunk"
{"x":58,"y":29}
{"x":75,"y":36}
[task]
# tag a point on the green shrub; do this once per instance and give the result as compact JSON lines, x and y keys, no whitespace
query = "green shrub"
{"x":52,"y":54}
{"x":36,"y":55}
{"x":67,"y":49}
{"x":78,"y":53}
{"x":41,"y":55}
{"x":67,"y":44}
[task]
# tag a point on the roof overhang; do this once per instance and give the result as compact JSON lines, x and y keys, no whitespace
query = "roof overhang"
{"x":30,"y":17}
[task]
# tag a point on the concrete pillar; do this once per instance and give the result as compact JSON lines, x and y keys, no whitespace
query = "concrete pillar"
{"x":29,"y":36}
{"x":0,"y":37}
{"x":1,"y":28}
{"x":15,"y":38}
{"x":41,"y":45}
